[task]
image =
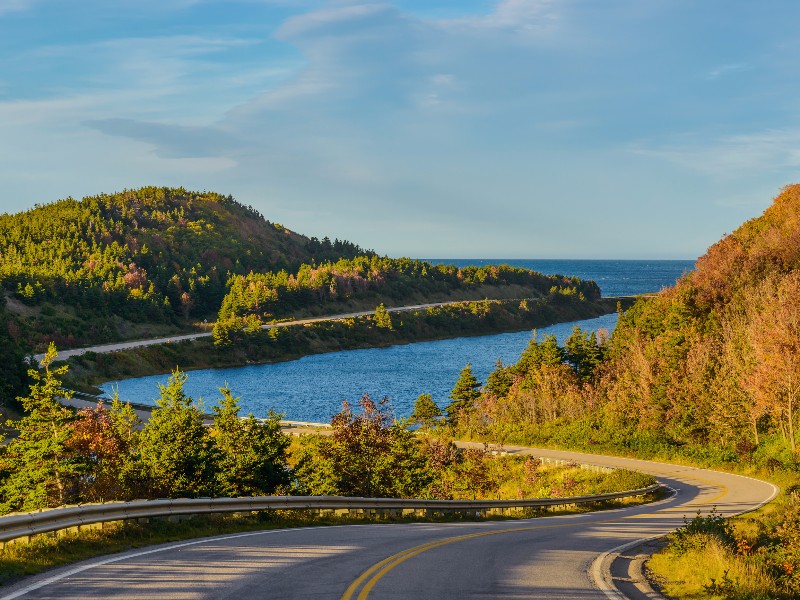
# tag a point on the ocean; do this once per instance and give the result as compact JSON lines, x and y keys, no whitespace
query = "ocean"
{"x":313,"y":387}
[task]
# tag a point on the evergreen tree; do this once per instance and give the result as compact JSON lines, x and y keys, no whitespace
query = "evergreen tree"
{"x":546,"y":352}
{"x":382,"y":318}
{"x":500,"y":380}
{"x":464,"y":394}
{"x":426,"y":412}
{"x":38,"y":469}
{"x":252,"y":457}
{"x":175,"y":448}
{"x":583,"y":352}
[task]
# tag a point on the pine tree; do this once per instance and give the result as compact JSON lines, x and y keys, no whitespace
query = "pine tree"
{"x":382,"y":317}
{"x":252,"y":452}
{"x":464,"y":394}
{"x":546,"y":352}
{"x":583,"y":353}
{"x":175,"y":448}
{"x":500,"y":380}
{"x":39,"y":470}
{"x":426,"y":412}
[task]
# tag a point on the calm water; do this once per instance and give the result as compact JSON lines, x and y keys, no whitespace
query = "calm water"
{"x":312,"y":388}
{"x":615,"y":277}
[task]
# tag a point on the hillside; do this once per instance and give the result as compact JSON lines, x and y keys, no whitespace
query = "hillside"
{"x":709,"y":368}
{"x":89,"y":271}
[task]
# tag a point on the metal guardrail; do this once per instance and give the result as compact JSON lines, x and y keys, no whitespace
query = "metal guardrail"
{"x":25,"y":525}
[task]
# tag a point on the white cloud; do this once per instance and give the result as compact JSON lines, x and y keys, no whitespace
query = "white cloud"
{"x":733,"y":157}
{"x":11,"y":6}
{"x":728,"y":69}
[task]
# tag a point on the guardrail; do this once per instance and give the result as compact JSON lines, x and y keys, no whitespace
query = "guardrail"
{"x":24,"y":525}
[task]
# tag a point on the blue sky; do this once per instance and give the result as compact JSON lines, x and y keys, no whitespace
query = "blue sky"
{"x":477,"y":128}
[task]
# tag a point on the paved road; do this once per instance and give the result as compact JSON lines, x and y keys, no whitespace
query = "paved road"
{"x":550,"y":557}
{"x":65,"y":354}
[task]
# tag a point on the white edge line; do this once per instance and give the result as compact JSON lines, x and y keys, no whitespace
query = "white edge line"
{"x":113,"y":559}
{"x":205,"y":540}
{"x":600,"y":571}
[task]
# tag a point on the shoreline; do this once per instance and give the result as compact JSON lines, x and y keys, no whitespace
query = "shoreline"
{"x":88,"y":371}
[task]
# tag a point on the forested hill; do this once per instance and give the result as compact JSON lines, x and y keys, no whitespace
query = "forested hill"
{"x":710,"y":367}
{"x":147,"y":255}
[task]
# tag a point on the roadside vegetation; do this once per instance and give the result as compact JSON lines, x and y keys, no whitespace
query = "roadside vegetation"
{"x":61,"y":457}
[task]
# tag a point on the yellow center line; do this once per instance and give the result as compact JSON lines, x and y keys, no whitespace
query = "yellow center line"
{"x":723,"y":489}
{"x":378,"y":570}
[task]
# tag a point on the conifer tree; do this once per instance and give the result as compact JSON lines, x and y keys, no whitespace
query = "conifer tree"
{"x":583,"y":352}
{"x":500,"y":380}
{"x":175,"y":448}
{"x":252,"y":452}
{"x":464,"y":394}
{"x":39,"y":470}
{"x":382,"y":317}
{"x":426,"y":412}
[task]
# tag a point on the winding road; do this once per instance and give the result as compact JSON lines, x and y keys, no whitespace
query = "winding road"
{"x":549,"y":557}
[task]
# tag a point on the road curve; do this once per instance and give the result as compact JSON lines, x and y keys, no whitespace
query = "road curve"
{"x":549,"y":557}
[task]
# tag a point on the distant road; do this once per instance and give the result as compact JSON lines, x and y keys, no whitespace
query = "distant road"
{"x":567,"y":557}
{"x":103,"y":348}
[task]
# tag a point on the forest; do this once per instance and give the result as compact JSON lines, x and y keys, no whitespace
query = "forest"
{"x":258,"y":298}
{"x":709,"y":368}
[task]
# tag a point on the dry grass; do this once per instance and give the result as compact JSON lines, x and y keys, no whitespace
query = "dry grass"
{"x":689,"y":576}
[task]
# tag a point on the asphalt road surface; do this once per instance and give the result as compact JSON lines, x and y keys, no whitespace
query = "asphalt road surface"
{"x":549,"y":557}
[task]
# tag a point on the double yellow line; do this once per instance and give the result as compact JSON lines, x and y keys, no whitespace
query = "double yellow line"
{"x":376,"y":572}
{"x":369,"y":578}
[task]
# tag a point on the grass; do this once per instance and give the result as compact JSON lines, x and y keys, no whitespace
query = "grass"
{"x":709,"y":571}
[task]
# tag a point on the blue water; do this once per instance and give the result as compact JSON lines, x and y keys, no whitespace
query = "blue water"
{"x":615,"y":277}
{"x":313,"y":388}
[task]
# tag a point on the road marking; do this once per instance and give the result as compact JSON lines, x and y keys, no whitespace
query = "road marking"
{"x":376,"y":572}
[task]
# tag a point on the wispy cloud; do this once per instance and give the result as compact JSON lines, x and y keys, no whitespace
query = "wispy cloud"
{"x":11,"y":6}
{"x":733,"y":156}
{"x":729,"y":69}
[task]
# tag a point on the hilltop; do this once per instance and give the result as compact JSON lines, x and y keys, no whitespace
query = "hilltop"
{"x":123,"y":265}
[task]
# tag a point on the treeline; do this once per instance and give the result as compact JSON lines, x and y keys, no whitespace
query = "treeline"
{"x":155,"y":254}
{"x":709,"y":368}
{"x":257,"y":298}
{"x":105,"y":453}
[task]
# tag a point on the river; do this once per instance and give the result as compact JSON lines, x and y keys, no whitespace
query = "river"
{"x":313,"y":388}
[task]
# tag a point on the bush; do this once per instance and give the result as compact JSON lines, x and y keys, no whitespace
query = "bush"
{"x":696,"y":532}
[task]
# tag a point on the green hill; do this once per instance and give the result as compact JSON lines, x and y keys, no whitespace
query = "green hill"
{"x":138,"y":262}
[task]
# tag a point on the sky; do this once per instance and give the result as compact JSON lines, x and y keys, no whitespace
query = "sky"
{"x":423,"y":128}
